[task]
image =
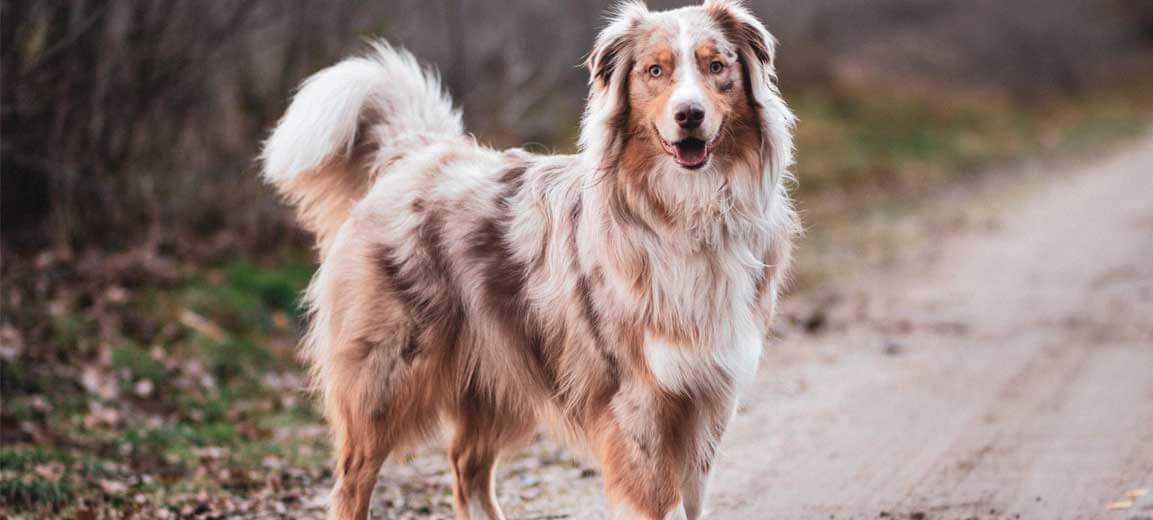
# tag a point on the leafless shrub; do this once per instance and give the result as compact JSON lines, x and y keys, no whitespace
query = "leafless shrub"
{"x":129,"y":123}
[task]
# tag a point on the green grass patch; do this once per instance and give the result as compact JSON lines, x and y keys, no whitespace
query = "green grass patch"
{"x":137,"y":364}
{"x":243,"y":296}
{"x":211,"y":409}
{"x":276,"y":289}
{"x":25,"y":488}
{"x":179,"y":440}
{"x":24,"y":458}
{"x":183,"y":435}
{"x":236,"y":359}
{"x":20,"y":489}
{"x":66,"y":329}
{"x":22,"y":494}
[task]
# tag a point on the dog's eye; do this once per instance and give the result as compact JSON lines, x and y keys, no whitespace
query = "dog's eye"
{"x":716,"y":67}
{"x":655,"y":71}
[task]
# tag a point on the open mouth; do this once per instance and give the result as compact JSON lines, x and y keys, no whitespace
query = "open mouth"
{"x":691,"y":153}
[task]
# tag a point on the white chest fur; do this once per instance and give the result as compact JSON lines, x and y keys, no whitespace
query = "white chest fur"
{"x":727,"y":341}
{"x":679,"y":367}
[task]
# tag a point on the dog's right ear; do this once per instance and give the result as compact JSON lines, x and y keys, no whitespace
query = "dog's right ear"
{"x":604,"y":58}
{"x":604,"y":127}
{"x":610,"y":53}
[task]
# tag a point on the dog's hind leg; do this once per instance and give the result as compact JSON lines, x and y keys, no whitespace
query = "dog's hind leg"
{"x":473,"y":465}
{"x":361,"y":450}
{"x":375,"y":406}
{"x":483,"y":431}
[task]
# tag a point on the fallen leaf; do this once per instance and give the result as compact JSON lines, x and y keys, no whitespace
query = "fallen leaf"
{"x":99,"y":383}
{"x":280,"y":319}
{"x":143,"y":388}
{"x":116,"y":294}
{"x":201,"y":325}
{"x":1119,"y":505}
{"x":113,"y":487}
{"x":11,"y":343}
{"x":101,"y":415}
{"x":51,"y":472}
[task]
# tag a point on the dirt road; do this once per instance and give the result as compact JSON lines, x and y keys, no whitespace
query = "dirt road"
{"x":1013,"y":375}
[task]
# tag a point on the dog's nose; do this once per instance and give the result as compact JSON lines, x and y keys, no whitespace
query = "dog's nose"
{"x":689,"y":116}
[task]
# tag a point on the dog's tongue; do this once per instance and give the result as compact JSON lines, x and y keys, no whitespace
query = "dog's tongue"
{"x":690,"y":152}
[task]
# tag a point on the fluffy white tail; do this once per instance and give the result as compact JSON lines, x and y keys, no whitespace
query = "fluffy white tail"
{"x":321,"y":155}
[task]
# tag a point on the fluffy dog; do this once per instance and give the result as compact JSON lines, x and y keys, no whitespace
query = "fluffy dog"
{"x":619,"y":297}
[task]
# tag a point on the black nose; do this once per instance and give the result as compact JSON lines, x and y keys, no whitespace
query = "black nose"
{"x":689,"y":116}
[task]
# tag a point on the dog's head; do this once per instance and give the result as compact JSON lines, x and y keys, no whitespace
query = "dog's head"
{"x":691,"y":88}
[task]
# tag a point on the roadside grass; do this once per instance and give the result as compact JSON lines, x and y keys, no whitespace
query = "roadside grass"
{"x":849,"y":141}
{"x":147,"y":397}
{"x":866,"y":160}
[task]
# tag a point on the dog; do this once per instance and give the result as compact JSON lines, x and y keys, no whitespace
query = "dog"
{"x":618,"y":297}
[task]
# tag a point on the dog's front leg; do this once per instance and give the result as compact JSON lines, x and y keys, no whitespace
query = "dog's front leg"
{"x":648,"y":440}
{"x":695,"y":487}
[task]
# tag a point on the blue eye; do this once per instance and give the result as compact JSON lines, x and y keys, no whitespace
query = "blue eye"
{"x":716,"y":67}
{"x":655,"y":71}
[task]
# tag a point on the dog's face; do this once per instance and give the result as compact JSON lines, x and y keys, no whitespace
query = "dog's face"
{"x":687,"y":86}
{"x":685,"y":81}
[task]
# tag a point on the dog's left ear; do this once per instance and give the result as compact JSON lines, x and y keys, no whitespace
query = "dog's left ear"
{"x":742,"y":28}
{"x":757,"y":49}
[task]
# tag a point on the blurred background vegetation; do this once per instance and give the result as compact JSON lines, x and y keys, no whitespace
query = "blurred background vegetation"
{"x":150,"y":281}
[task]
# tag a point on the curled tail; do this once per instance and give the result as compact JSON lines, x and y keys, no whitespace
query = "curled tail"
{"x":321,"y":155}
